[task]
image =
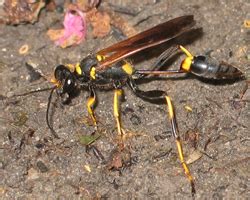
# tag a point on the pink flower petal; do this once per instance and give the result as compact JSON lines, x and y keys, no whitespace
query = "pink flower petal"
{"x":74,"y":28}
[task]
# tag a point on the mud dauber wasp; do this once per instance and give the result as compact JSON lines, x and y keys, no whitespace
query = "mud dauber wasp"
{"x":107,"y":69}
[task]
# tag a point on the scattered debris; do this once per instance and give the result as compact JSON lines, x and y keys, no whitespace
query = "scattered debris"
{"x":188,"y":108}
{"x":33,"y":73}
{"x":96,"y":152}
{"x":164,"y":135}
{"x":100,"y":22}
{"x":207,"y":143}
{"x":88,"y":139}
{"x":32,"y":174}
{"x":42,"y":167}
{"x":247,"y":23}
{"x":192,"y":138}
{"x":115,"y":161}
{"x":77,"y":15}
{"x":24,"y":49}
{"x":21,"y":11}
{"x":34,"y":68}
{"x":162,"y":154}
{"x":2,"y":190}
{"x":87,"y":5}
{"x":87,"y":167}
{"x":75,"y":23}
{"x":39,"y":145}
{"x":20,"y":118}
{"x":120,"y":158}
{"x":117,"y":21}
{"x":135,"y":119}
{"x":194,"y":156}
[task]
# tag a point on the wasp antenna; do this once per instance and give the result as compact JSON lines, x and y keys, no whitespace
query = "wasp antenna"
{"x":47,"y":113}
{"x":33,"y":91}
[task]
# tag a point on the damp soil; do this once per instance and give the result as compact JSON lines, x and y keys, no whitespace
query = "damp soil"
{"x":215,"y":131}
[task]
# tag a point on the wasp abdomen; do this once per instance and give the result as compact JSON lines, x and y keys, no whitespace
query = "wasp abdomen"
{"x":209,"y":68}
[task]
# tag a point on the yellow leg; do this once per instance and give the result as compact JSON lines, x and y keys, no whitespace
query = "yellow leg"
{"x":118,"y":93}
{"x":178,"y":142}
{"x":90,"y":106}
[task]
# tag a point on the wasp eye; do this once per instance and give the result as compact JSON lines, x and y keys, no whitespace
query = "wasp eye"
{"x":61,"y":72}
{"x":69,"y":84}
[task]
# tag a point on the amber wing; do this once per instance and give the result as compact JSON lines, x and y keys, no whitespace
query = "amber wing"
{"x":146,"y":39}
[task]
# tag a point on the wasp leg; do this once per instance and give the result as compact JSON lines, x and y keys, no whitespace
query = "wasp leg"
{"x":164,"y":57}
{"x":117,"y":95}
{"x":175,"y":134}
{"x":153,"y":96}
{"x":158,"y":72}
{"x":159,"y":63}
{"x":159,"y":96}
{"x":90,"y":106}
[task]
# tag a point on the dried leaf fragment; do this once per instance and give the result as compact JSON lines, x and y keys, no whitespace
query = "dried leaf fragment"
{"x":127,"y":29}
{"x":88,"y":139}
{"x":194,"y":156}
{"x":21,"y":11}
{"x":86,"y":5}
{"x":116,"y":161}
{"x":100,"y":22}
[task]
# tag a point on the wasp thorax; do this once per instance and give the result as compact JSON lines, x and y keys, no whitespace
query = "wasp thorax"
{"x":86,"y":64}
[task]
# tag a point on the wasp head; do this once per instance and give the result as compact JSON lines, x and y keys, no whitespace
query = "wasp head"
{"x":66,"y":83}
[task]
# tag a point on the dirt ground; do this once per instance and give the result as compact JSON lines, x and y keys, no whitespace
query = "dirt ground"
{"x":35,"y":165}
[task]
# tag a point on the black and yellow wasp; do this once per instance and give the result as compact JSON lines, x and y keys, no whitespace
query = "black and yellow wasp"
{"x":108,"y":69}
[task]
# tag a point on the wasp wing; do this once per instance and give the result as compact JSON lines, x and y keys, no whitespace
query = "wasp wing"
{"x":146,"y":39}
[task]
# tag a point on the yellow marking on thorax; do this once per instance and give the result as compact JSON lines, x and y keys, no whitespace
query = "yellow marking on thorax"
{"x":71,"y":67}
{"x":100,"y":57}
{"x":93,"y":73}
{"x":128,"y":68}
{"x":78,"y":69}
